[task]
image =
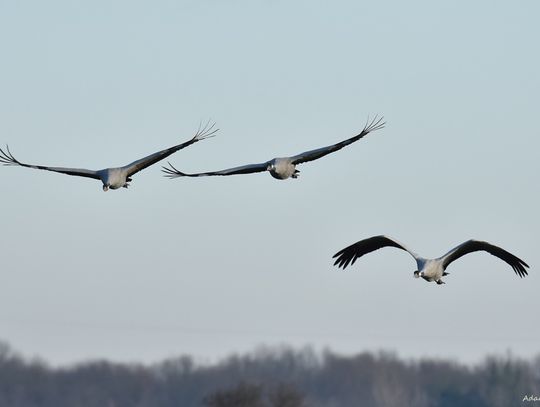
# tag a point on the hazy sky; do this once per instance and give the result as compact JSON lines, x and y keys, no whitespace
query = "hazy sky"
{"x":213,"y":265}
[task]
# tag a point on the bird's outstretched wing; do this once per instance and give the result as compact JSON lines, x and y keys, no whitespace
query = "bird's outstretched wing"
{"x":7,"y":158}
{"x":172,"y":172}
{"x":203,"y":132}
{"x":358,"y":249}
{"x":472,"y":245}
{"x":375,"y":124}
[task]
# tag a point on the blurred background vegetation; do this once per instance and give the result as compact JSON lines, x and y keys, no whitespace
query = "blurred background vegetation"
{"x":270,"y":377}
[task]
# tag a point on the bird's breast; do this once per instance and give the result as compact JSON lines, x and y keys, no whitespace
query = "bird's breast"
{"x":282,"y":168}
{"x":116,"y":177}
{"x":433,"y":269}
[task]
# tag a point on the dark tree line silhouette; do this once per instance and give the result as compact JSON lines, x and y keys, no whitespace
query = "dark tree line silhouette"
{"x":270,"y":377}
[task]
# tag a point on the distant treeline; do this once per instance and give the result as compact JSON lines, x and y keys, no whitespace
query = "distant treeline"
{"x":271,"y":377}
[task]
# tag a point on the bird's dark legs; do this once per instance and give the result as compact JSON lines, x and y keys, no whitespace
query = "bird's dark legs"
{"x":439,"y":282}
{"x":128,"y":180}
{"x":295,"y":174}
{"x":445,"y":273}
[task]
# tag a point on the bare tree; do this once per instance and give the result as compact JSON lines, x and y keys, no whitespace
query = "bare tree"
{"x":286,"y":395}
{"x":242,"y":395}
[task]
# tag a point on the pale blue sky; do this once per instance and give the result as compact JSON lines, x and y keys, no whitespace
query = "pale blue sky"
{"x":215,"y":265}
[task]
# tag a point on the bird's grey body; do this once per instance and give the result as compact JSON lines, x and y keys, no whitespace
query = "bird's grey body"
{"x":116,"y":177}
{"x":283,"y":167}
{"x":429,"y":269}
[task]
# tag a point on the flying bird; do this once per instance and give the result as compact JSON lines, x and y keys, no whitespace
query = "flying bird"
{"x":282,"y":167}
{"x":428,"y":269}
{"x":114,"y":178}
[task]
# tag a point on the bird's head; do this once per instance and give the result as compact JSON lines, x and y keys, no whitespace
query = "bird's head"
{"x":105,"y":187}
{"x":417,"y":274}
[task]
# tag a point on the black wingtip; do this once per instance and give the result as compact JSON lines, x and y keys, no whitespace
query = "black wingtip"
{"x":206,"y":131}
{"x":521,"y":269}
{"x":6,"y":158}
{"x":374,"y":124}
{"x":341,"y":261}
{"x":170,"y":172}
